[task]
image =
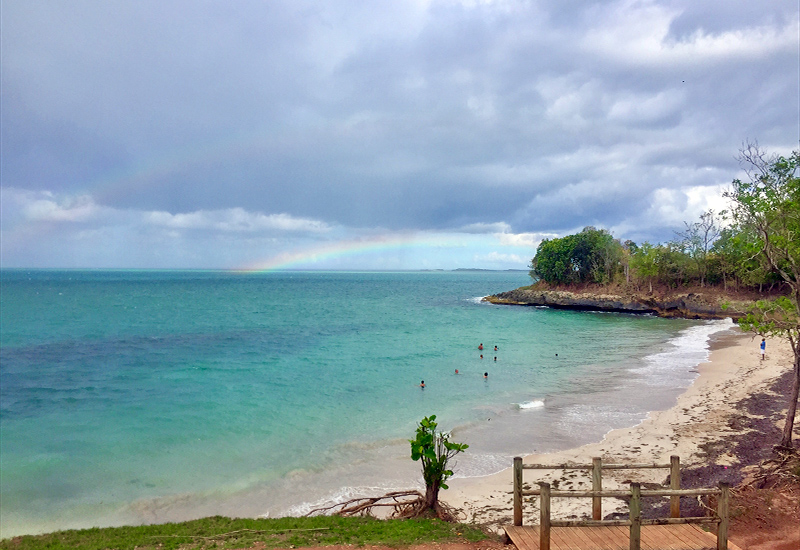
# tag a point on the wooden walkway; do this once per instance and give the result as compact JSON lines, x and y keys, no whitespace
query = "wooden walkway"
{"x":606,"y":537}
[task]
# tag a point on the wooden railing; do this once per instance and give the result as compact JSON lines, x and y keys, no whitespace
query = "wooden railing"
{"x":634,"y":496}
{"x":597,"y":468}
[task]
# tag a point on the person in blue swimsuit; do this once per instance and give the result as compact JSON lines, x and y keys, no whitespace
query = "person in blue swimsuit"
{"x":763,"y":348}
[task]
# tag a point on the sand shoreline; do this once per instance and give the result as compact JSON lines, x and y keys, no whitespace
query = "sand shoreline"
{"x":733,"y":372}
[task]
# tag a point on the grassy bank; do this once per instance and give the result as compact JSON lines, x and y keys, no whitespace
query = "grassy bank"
{"x":221,"y":532}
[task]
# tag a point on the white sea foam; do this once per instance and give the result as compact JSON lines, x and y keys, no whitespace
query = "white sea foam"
{"x":535,"y":404}
{"x":479,"y":465}
{"x":684,"y":352}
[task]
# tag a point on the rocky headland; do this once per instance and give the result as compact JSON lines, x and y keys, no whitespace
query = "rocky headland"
{"x":697,"y":304}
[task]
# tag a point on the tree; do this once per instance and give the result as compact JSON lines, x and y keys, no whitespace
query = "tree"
{"x":697,"y":239}
{"x":629,"y":249}
{"x":644,"y":264}
{"x":435,"y":450}
{"x":553,"y":261}
{"x":591,"y":256}
{"x":738,"y":252}
{"x":598,"y":255}
{"x":671,"y":264}
{"x":768,"y":203}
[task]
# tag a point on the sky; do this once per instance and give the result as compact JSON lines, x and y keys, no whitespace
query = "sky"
{"x":385,"y":135}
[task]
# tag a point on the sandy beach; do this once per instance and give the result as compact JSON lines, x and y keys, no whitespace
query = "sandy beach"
{"x":701,"y":416}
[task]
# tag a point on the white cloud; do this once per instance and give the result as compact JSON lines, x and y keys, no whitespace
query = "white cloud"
{"x":645,"y":108}
{"x":637,"y":32}
{"x":46,"y":208}
{"x":235,"y":220}
{"x":676,"y":206}
{"x":530,"y":240}
{"x":672,"y":208}
{"x":47,"y":229}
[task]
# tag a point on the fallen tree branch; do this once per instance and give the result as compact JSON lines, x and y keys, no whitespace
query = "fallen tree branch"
{"x":405,"y":504}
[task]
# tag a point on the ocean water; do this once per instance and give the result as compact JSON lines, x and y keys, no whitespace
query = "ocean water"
{"x":147,"y":396}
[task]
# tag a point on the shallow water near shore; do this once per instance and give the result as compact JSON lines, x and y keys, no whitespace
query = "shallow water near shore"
{"x":144,"y":396}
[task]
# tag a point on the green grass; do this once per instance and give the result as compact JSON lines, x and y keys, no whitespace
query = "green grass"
{"x":221,"y":532}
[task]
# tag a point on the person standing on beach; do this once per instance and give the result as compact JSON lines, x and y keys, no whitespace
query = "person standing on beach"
{"x":763,"y":348}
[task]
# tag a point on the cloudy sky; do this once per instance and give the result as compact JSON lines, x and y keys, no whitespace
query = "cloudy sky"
{"x":402,"y":134}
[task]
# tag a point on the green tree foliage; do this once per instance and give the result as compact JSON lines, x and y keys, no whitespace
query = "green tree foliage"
{"x":696,"y":241}
{"x":553,"y":261}
{"x":665,"y":264}
{"x":737,"y":263}
{"x":767,"y":204}
{"x":591,"y":256}
{"x":435,"y":450}
{"x":644,"y":264}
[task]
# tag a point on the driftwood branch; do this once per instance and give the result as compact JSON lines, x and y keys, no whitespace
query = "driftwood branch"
{"x":405,"y":504}
{"x":363,"y":506}
{"x":777,"y":471}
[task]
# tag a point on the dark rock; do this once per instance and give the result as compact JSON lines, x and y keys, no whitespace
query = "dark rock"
{"x":689,"y":306}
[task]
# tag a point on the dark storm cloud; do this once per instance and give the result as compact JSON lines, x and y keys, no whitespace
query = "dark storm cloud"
{"x":430,"y":115}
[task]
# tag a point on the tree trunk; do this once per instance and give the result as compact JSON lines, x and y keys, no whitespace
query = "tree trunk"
{"x":432,"y":496}
{"x":788,"y":426}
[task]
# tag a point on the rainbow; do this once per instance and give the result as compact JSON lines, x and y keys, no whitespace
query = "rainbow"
{"x":346,"y":248}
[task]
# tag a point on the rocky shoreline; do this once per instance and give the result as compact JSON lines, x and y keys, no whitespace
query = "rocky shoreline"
{"x":687,"y":305}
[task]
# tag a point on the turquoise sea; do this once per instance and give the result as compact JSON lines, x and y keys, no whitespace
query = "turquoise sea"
{"x":150,"y":396}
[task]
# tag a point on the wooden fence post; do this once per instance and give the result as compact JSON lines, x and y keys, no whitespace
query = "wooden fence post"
{"x":544,"y":516}
{"x":517,"y":490}
{"x":597,"y":485}
{"x":723,"y":513}
{"x":636,"y":516}
{"x":675,"y":483}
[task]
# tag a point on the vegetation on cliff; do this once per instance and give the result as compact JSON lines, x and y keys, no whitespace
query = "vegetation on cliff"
{"x":705,"y":254}
{"x":757,"y":250}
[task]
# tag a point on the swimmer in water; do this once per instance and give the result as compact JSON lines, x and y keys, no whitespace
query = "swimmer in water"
{"x":495,"y":348}
{"x":456,"y":371}
{"x":422,"y":384}
{"x":486,"y":375}
{"x":480,"y":346}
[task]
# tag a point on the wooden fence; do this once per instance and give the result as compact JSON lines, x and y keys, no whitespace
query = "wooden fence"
{"x":634,"y":495}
